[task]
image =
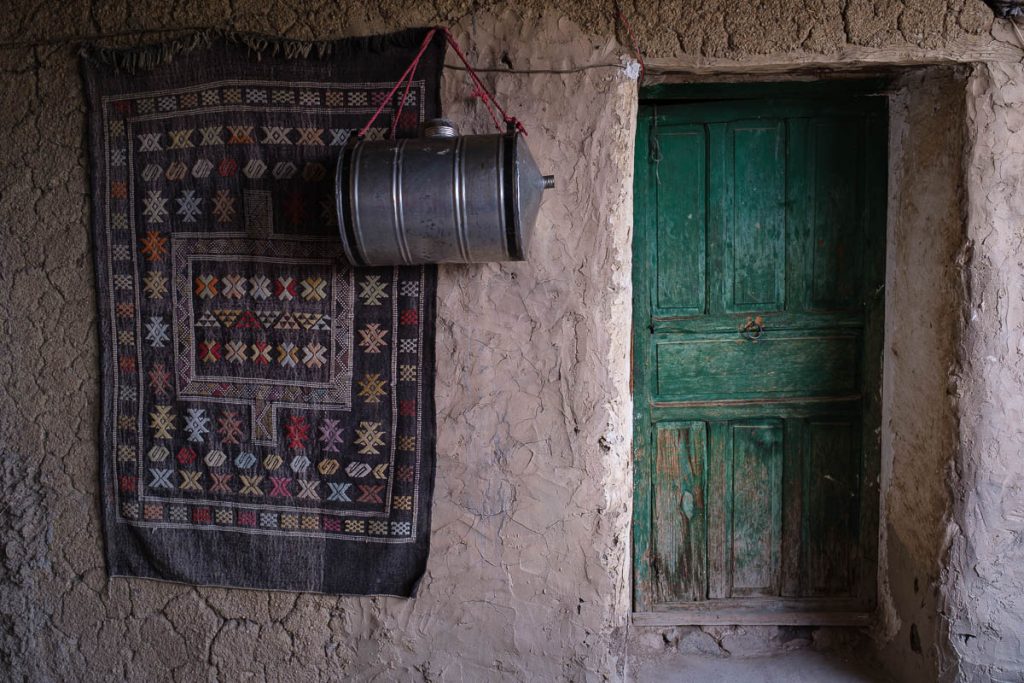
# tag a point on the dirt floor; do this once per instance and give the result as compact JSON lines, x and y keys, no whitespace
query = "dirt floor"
{"x":799,"y":666}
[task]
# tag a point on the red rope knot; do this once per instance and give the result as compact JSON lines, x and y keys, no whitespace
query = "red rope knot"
{"x":481,"y":95}
{"x":515,"y":123}
{"x":479,"y":91}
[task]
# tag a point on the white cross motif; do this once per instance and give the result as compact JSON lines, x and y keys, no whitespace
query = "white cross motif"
{"x":154,"y":210}
{"x":188,"y":206}
{"x":161,"y":479}
{"x":234,"y":286}
{"x":210,"y":135}
{"x":314,"y":355}
{"x":339,"y":492}
{"x":339,"y":136}
{"x":235,"y":351}
{"x":373,"y":290}
{"x":197,"y":424}
{"x":156,"y":331}
{"x":287,"y":354}
{"x":260,"y":287}
{"x":276,"y":135}
{"x":149,"y":142}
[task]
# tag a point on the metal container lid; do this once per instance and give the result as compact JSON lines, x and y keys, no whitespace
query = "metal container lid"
{"x":528,"y":189}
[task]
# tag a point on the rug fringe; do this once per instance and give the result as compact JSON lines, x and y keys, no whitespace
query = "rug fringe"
{"x":150,"y":56}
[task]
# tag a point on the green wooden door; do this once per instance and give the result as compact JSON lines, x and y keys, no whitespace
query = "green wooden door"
{"x":758,"y":271}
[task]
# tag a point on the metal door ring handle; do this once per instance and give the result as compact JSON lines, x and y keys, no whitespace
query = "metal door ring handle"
{"x":752,"y":330}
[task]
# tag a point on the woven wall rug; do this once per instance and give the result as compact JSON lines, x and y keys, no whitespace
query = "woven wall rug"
{"x":268,"y":416}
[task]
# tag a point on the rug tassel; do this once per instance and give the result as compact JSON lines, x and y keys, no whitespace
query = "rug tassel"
{"x":148,"y":57}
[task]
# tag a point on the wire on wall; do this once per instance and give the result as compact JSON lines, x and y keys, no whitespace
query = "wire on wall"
{"x":569,"y":70}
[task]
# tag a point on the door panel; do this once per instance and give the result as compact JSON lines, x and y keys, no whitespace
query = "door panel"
{"x":756,"y":346}
{"x":756,"y":508}
{"x":681,"y":221}
{"x":837,"y":146}
{"x":832,"y":490}
{"x":731,"y":366}
{"x":679,"y":512}
{"x":755,"y":263}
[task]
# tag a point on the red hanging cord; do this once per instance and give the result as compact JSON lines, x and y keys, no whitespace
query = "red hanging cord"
{"x":406,"y":74}
{"x":636,"y":48}
{"x":401,"y":102}
{"x":479,"y":91}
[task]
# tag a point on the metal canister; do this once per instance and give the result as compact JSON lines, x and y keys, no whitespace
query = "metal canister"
{"x":438,"y":198}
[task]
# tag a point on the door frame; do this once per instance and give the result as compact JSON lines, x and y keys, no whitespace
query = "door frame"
{"x":765,"y":611}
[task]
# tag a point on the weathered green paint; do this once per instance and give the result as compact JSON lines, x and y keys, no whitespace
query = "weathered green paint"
{"x":678,"y":511}
{"x":730,"y":366}
{"x":643,"y":460}
{"x":753,"y":221}
{"x":681,"y":220}
{"x":755,"y":497}
{"x":758,"y":252}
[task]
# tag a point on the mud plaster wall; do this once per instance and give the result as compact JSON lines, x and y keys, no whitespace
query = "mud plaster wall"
{"x":528,"y":574}
{"x":983,"y":578}
{"x":926,"y":233}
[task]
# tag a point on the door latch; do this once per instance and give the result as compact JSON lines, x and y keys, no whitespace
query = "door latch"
{"x":753,"y":328}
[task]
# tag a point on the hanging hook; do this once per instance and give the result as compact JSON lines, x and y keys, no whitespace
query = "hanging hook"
{"x":654,"y":147}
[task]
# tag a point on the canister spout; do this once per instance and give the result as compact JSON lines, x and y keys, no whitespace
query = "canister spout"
{"x":549,"y":182}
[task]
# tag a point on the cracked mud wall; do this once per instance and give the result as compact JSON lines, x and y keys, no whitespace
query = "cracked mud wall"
{"x":528,"y":576}
{"x":983,"y":580}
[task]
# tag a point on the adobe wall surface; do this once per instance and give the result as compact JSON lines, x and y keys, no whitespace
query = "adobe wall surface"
{"x":983,"y":581}
{"x":528,"y":576}
{"x":926,"y":235}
